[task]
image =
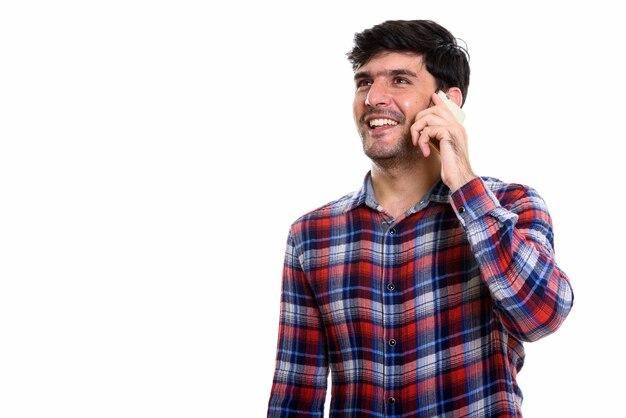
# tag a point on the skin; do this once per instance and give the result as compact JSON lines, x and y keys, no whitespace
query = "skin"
{"x":425,"y":142}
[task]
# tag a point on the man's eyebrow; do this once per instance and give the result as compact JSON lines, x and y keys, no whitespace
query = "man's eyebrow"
{"x":365,"y":74}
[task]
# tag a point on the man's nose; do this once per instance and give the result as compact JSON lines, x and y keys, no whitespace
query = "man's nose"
{"x":377,"y":95}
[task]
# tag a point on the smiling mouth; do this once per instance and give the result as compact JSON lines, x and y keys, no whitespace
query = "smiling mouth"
{"x":377,"y":123}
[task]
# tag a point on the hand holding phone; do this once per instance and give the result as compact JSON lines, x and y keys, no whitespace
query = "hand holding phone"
{"x":455,"y":165}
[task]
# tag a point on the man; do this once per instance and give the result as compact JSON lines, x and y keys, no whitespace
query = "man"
{"x":418,"y":290}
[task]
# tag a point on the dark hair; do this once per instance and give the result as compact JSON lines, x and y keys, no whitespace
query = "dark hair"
{"x":445,"y":59}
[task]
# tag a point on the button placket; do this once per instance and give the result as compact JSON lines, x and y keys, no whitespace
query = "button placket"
{"x":389,"y":312}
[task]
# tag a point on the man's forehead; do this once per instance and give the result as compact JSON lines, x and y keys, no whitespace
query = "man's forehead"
{"x":392,"y":60}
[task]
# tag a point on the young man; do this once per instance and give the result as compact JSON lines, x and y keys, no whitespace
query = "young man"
{"x":418,"y":290}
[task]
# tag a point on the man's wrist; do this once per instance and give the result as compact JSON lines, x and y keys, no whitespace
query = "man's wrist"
{"x":462,"y":181}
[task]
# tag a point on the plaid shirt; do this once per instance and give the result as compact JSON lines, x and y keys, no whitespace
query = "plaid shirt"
{"x":421,"y":316}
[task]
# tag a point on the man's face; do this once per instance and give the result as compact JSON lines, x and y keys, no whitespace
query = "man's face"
{"x":390,"y":90}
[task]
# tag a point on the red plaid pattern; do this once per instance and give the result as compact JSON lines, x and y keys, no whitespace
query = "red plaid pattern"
{"x":417,"y":317}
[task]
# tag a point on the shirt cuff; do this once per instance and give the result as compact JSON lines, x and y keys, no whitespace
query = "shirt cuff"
{"x":473,"y":200}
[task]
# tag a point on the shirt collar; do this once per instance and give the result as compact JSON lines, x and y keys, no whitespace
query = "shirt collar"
{"x":439,"y":193}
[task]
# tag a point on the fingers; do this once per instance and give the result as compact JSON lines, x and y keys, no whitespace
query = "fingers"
{"x":433,"y":125}
{"x":428,"y":137}
{"x":428,"y":130}
{"x":436,"y":99}
{"x":424,"y":144}
{"x":420,"y":130}
{"x":420,"y":138}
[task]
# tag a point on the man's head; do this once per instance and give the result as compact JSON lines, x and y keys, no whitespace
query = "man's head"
{"x":444,"y":58}
{"x":398,"y":67}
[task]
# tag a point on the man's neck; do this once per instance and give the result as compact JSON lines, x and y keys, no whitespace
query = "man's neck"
{"x":399,"y":188}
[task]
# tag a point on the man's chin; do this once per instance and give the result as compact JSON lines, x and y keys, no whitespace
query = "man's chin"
{"x":393,"y":156}
{"x":378,"y":149}
{"x":380,"y":156}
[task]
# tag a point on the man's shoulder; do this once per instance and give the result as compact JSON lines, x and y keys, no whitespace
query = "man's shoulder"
{"x":496,"y":185}
{"x":334,"y":208}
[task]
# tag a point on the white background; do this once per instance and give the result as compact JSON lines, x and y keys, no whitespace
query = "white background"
{"x":154,"y":153}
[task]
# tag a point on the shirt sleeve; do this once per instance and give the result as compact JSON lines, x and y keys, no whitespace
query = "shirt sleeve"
{"x":300,"y":378}
{"x":514,"y":250}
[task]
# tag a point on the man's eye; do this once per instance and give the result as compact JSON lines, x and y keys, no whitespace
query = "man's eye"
{"x":401,"y":80}
{"x":363,"y":83}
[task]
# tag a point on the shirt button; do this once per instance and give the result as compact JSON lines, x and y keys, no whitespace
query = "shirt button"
{"x":461,"y":210}
{"x":391,"y":400}
{"x":392,"y":231}
{"x":392,"y":342}
{"x":391,"y":287}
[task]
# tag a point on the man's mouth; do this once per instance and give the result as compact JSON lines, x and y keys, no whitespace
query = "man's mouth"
{"x":381,"y":119}
{"x":376,"y":123}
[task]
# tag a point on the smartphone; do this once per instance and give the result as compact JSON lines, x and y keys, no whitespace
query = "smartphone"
{"x":456,"y":110}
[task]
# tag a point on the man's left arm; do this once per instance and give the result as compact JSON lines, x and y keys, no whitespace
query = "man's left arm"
{"x":514,"y":250}
{"x":513,"y":245}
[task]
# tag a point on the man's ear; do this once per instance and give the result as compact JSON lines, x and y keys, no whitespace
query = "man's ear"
{"x":455,"y":94}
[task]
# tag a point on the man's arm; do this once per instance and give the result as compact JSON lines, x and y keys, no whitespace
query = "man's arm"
{"x":300,"y":379}
{"x":514,"y":250}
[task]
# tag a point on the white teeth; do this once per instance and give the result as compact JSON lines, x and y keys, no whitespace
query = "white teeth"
{"x":381,"y":122}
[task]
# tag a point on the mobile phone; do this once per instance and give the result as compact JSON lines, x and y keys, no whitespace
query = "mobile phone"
{"x":456,"y":110}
